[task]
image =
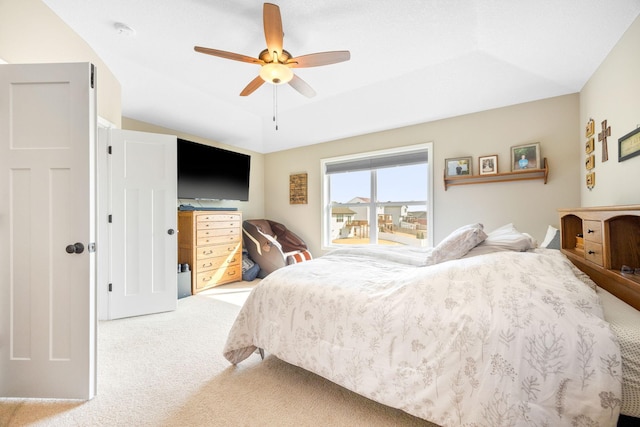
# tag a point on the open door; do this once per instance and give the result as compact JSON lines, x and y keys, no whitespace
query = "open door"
{"x":47,"y":231}
{"x":143,"y":223}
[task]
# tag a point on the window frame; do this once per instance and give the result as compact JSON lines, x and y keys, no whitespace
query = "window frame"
{"x":325,"y":216}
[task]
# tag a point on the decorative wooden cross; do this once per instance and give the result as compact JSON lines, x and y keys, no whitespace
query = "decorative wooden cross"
{"x":602,"y":137}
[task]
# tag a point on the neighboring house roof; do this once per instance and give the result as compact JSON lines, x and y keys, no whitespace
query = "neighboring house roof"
{"x":360,"y":200}
{"x":342,"y":211}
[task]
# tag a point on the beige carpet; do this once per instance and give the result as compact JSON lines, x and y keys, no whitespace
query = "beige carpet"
{"x":167,"y":369}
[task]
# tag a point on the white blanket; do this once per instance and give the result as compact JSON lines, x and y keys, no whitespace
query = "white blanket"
{"x":502,"y":339}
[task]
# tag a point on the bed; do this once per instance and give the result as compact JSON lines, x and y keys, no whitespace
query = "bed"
{"x":482,"y":330}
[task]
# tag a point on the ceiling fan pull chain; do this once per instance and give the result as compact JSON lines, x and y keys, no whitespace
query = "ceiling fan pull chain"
{"x":275,"y":105}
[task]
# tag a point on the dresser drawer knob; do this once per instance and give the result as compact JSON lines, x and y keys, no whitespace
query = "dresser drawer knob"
{"x":591,"y":252}
{"x":590,"y":231}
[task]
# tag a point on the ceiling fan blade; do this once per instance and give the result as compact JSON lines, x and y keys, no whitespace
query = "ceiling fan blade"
{"x":317,"y":59}
{"x":301,"y":86}
{"x":252,"y":86}
{"x":273,"y":33}
{"x":228,"y":55}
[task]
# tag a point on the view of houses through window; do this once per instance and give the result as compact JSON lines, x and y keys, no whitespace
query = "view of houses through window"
{"x":377,"y":198}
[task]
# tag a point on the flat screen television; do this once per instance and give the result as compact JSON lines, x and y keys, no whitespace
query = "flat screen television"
{"x":211,"y":173}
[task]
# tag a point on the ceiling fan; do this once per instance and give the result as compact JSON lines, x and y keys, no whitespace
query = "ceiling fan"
{"x":276,"y":63}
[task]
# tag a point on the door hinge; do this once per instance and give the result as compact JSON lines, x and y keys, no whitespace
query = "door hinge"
{"x":110,"y":287}
{"x":93,"y":76}
{"x":109,"y":150}
{"x":110,"y":218}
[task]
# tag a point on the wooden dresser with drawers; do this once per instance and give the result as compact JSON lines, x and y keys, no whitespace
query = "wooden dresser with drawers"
{"x":211,"y":243}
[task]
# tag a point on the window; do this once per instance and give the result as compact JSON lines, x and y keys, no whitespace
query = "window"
{"x":381,"y":197}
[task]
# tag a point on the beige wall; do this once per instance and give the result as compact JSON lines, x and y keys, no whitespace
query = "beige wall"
{"x":612,"y":94}
{"x":31,"y":33}
{"x":254,"y":208}
{"x":530,"y":205}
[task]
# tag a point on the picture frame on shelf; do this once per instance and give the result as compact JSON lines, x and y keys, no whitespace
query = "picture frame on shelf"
{"x":458,"y":166}
{"x":525,"y":157}
{"x":629,"y":145}
{"x":488,"y":165}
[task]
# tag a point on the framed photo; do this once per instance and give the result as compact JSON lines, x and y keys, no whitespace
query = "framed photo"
{"x":590,"y":128}
{"x":525,"y":157}
{"x":591,"y":180}
{"x":629,"y":145}
{"x":488,"y":165}
{"x":589,"y":146}
{"x":458,"y":166}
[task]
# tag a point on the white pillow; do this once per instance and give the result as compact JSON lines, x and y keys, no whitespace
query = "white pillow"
{"x":552,"y":232}
{"x":505,"y":238}
{"x":457,"y":244}
{"x":534,"y":242}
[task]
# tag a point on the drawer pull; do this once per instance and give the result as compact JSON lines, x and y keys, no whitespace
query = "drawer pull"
{"x":229,"y":261}
{"x":207,"y":265}
{"x":591,"y":252}
{"x":231,"y":273}
{"x":590,"y":231}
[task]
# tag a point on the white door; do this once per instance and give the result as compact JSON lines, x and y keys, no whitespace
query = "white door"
{"x":47,"y":231}
{"x":143,"y":215}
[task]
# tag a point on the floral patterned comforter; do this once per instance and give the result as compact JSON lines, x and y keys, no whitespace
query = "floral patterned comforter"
{"x":504,"y":339}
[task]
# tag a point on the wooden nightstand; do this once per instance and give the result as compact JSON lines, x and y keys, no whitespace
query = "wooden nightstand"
{"x":611,"y":236}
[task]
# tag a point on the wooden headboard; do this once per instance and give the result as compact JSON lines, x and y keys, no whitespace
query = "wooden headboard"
{"x":610,"y":240}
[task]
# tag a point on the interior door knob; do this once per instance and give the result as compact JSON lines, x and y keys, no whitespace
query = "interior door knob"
{"x":170,"y":231}
{"x":76,"y":248}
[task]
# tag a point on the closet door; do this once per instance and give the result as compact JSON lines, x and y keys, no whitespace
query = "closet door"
{"x":47,"y":231}
{"x":143,"y":227}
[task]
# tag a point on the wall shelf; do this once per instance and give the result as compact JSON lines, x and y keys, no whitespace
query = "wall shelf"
{"x":498,"y":177}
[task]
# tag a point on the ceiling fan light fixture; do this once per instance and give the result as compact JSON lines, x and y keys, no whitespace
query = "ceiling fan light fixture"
{"x":276,"y":73}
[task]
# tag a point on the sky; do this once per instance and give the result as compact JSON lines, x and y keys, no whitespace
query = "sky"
{"x":403,"y":183}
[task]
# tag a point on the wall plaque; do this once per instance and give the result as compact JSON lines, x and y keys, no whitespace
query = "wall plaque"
{"x":298,"y":189}
{"x":629,"y":145}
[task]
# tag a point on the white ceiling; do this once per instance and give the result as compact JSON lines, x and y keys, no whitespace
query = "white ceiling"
{"x":412,"y":61}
